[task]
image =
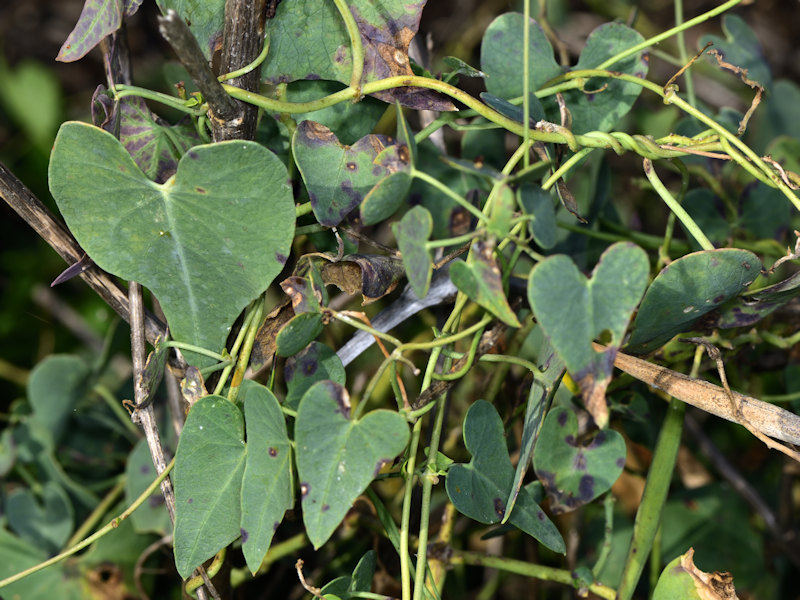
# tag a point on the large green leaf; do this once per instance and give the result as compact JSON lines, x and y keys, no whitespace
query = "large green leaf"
{"x":687,"y":289}
{"x":267,"y":480}
{"x":208,"y":480}
{"x":337,"y":457}
{"x":481,"y":488}
{"x":573,"y":471}
{"x":206,"y":242}
{"x":573,"y":311}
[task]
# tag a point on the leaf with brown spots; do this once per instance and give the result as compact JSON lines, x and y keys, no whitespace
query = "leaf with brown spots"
{"x":339,"y":177}
{"x":573,"y":311}
{"x":338,"y":457}
{"x":308,"y":40}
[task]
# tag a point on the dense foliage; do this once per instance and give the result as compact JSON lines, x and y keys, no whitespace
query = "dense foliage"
{"x":509,"y":224}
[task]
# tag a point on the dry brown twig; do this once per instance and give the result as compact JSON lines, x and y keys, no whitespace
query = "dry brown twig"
{"x":756,"y":415}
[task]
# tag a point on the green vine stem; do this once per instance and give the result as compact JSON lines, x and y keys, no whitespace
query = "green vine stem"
{"x":356,"y":46}
{"x":648,"y":517}
{"x":111,"y":526}
{"x":675,"y":207}
{"x":248,"y":68}
{"x":247,"y":348}
{"x":527,"y":569}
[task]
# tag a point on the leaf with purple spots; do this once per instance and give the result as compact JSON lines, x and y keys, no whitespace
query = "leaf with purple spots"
{"x":598,"y":307}
{"x":480,"y":488}
{"x":575,"y":471}
{"x":206,"y":242}
{"x":339,"y":177}
{"x":308,"y":40}
{"x":207,"y":477}
{"x":267,"y":491}
{"x":155,"y":145}
{"x":751,"y":307}
{"x":314,"y":363}
{"x":688,"y":289}
{"x":99,"y":18}
{"x":337,"y":456}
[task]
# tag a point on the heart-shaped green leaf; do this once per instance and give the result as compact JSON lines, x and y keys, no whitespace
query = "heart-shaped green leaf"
{"x":208,"y":481}
{"x":413,"y":230}
{"x":267,"y":480}
{"x":338,"y":457}
{"x":604,"y":101}
{"x":339,"y":177}
{"x":480,"y":280}
{"x":574,"y":310}
{"x":206,"y":242}
{"x":687,"y":289}
{"x":46,"y":524}
{"x":481,"y":488}
{"x":575,"y":472}
{"x":501,"y":56}
{"x":55,"y":385}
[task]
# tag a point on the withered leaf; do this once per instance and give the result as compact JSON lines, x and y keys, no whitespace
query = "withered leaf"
{"x":373,"y":276}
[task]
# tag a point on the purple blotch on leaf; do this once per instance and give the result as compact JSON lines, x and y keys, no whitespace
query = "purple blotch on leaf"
{"x":499,"y":507}
{"x":245,"y":535}
{"x":193,"y":155}
{"x":273,"y":452}
{"x":562,"y":418}
{"x":580,"y":462}
{"x":144,"y":469}
{"x":281,"y":258}
{"x":309,"y":367}
{"x":200,"y":190}
{"x":586,"y":487}
{"x":621,"y":462}
{"x":326,"y":507}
